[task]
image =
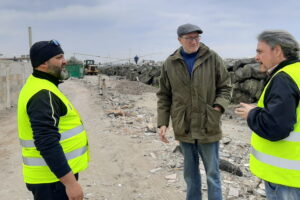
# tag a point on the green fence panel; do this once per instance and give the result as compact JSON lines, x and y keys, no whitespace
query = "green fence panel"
{"x":75,"y":70}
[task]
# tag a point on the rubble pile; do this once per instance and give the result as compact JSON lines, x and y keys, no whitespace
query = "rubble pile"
{"x":247,"y":81}
{"x":122,"y":104}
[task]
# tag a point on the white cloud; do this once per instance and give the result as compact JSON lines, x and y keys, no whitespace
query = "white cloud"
{"x":118,"y":27}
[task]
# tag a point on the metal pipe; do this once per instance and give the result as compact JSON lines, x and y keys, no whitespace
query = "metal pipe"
{"x":30,"y":36}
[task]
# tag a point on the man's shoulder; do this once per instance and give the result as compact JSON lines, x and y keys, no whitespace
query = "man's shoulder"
{"x":43,"y":94}
{"x":282,"y":83}
{"x":174,"y":55}
{"x":204,"y":49}
{"x":171,"y":59}
{"x":282,"y":78}
{"x":213,"y":54}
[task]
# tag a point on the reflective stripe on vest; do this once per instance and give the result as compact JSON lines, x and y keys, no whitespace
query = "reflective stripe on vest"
{"x":293,"y":137}
{"x":64,"y":136}
{"x":276,"y":161}
{"x":41,"y":162}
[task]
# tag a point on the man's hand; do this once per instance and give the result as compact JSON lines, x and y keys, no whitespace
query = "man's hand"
{"x":73,"y":189}
{"x":244,"y":110}
{"x":162,"y":134}
{"x":218,"y":108}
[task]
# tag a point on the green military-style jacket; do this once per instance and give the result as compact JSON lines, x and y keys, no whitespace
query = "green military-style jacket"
{"x":189,"y":100}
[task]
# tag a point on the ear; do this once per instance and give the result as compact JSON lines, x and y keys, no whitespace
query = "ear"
{"x":179,"y":39}
{"x":278,"y":51}
{"x":43,"y":67}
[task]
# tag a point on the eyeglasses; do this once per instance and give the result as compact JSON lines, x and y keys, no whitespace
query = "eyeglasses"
{"x":191,"y":39}
{"x":55,"y":42}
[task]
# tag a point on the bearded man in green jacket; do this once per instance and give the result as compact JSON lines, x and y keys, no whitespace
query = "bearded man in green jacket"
{"x":195,"y":89}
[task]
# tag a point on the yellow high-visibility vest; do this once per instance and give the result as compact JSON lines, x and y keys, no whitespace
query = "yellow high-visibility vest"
{"x":73,"y":140}
{"x":278,"y":162}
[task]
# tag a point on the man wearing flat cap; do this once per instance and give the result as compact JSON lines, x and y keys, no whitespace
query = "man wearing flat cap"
{"x":194,"y":90}
{"x":53,"y":139}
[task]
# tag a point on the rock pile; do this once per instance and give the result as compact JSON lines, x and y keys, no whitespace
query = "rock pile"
{"x":147,"y":74}
{"x":247,"y":80}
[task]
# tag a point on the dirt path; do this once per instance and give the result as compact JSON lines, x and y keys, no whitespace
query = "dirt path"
{"x":11,"y":184}
{"x":120,"y":162}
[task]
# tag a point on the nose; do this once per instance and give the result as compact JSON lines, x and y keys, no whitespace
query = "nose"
{"x":257,"y":58}
{"x":64,"y":62}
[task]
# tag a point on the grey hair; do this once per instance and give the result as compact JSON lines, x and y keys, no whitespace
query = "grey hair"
{"x":285,"y":40}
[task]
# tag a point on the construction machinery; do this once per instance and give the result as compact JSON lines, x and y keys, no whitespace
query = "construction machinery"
{"x":90,"y":68}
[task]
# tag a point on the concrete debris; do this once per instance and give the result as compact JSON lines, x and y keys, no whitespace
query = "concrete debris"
{"x":171,"y":177}
{"x":88,"y":196}
{"x":151,"y":128}
{"x":233,"y":192}
{"x":226,"y":140}
{"x":155,"y":170}
{"x":237,"y":181}
{"x":117,"y":113}
{"x":153,"y":155}
{"x":150,"y":134}
{"x":261,"y":192}
{"x":262,"y":186}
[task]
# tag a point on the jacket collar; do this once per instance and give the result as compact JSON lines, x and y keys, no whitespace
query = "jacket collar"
{"x":47,"y":76}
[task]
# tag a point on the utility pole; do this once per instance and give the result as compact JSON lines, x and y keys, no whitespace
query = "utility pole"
{"x":30,"y":36}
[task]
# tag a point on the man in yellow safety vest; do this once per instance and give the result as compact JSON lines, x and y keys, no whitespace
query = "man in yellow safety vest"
{"x":53,"y":139}
{"x":275,"y":121}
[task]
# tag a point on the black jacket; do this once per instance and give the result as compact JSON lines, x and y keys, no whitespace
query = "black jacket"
{"x":276,"y":120}
{"x":44,"y":110}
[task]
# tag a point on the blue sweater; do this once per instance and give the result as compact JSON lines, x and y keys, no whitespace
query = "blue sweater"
{"x":189,"y":60}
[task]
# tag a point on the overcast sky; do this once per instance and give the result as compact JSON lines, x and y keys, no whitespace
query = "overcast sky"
{"x":125,"y":28}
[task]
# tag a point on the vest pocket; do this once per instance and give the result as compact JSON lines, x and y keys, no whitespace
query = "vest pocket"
{"x":213,"y":120}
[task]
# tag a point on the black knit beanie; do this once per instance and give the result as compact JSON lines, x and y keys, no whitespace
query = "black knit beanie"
{"x":42,"y":51}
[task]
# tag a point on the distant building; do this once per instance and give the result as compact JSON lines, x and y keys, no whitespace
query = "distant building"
{"x":22,"y":58}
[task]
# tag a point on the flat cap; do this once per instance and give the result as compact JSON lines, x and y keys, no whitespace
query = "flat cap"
{"x":188,"y":28}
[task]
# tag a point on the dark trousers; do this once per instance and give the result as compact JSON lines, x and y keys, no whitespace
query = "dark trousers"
{"x":49,"y":191}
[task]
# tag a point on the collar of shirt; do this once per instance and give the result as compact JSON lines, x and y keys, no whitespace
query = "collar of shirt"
{"x":188,"y":55}
{"x":270,"y":70}
{"x":281,"y":65}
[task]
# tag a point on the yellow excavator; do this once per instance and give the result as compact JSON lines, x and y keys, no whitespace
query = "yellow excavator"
{"x":90,"y":68}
